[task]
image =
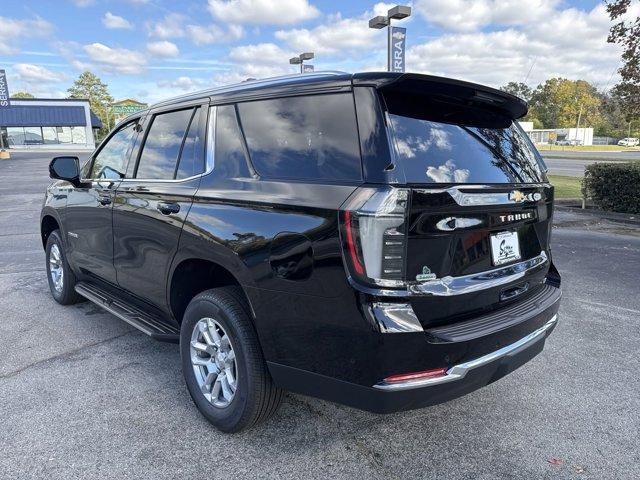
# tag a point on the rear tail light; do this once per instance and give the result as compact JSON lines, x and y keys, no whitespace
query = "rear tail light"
{"x":374,"y":235}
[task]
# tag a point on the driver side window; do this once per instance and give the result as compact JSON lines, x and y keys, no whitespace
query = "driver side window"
{"x":111,"y":161}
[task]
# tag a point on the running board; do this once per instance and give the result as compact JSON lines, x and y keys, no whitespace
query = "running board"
{"x":146,"y":323}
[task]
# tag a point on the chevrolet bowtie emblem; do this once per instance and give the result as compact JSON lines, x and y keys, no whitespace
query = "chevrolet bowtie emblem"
{"x":517,"y":196}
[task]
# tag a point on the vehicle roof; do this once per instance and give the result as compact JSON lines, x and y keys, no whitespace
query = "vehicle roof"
{"x":292,"y":84}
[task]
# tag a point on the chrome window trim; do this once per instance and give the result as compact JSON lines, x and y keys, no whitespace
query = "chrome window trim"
{"x":465,"y":199}
{"x":209,"y":155}
{"x":458,"y":372}
{"x":450,"y":286}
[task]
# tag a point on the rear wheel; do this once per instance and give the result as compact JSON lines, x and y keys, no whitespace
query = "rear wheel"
{"x":61,"y":279}
{"x":222,"y":361}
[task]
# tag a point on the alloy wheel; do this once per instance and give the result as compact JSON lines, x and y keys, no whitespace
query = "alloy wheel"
{"x":55,"y":267}
{"x":214,"y":362}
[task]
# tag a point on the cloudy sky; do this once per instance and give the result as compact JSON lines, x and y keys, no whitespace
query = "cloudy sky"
{"x":153,"y":49}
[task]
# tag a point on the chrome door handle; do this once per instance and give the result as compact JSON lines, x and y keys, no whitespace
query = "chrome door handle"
{"x":168,"y":208}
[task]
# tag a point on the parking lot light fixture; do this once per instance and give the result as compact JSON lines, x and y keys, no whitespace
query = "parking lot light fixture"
{"x":378,"y":22}
{"x":299,"y":60}
{"x":396,"y":13}
{"x":399,"y":12}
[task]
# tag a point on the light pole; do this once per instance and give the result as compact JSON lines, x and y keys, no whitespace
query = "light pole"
{"x":395,"y":56}
{"x":299,"y":60}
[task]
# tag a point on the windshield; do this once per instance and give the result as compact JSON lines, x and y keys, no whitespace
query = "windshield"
{"x":436,"y":152}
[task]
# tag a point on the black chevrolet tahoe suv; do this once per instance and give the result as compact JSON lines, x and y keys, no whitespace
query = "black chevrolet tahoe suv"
{"x":380,"y":240}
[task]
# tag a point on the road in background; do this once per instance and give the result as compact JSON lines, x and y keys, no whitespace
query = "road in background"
{"x":84,"y":395}
{"x":572,"y":164}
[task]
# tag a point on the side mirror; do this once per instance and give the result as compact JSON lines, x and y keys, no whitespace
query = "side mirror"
{"x":65,"y":168}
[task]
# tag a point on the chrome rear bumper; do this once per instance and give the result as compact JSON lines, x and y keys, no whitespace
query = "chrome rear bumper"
{"x":458,"y":372}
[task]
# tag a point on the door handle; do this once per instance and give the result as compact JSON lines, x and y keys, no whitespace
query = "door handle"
{"x":168,"y":208}
{"x":104,"y":200}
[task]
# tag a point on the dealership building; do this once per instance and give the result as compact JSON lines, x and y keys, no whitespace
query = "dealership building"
{"x":582,"y":136}
{"x":38,"y":123}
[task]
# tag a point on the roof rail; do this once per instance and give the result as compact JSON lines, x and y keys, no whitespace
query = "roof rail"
{"x":246,"y":84}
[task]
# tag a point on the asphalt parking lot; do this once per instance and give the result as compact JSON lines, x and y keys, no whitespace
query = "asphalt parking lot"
{"x":83,"y":395}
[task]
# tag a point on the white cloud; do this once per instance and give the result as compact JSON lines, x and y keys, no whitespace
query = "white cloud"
{"x":256,"y":61}
{"x":570,"y":43}
{"x":183,"y":84}
{"x":263,"y":12}
{"x":13,"y":30}
{"x":205,"y":35}
{"x":83,"y":3}
{"x":339,"y":36}
{"x":163,"y":48}
{"x":114,"y":21}
{"x":119,"y":60}
{"x":34,"y":73}
{"x":470,"y":15}
{"x":171,"y":26}
{"x":262,"y":53}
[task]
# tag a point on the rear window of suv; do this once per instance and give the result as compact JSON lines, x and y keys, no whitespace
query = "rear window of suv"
{"x":430,"y":151}
{"x":306,"y":138}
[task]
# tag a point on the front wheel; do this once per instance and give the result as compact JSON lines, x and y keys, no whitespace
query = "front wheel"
{"x":222,"y":361}
{"x":62,"y":281}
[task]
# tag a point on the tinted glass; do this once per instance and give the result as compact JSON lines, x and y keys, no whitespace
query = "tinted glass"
{"x":162,"y":145}
{"x":312,"y":137}
{"x":230,"y":157}
{"x":111,"y":161}
{"x":191,"y":158}
{"x":434,"y":152}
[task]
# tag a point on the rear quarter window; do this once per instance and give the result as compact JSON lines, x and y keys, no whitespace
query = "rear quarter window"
{"x":307,"y":138}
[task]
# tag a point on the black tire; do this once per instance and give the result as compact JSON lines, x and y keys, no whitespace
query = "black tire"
{"x":256,"y":398}
{"x":67,"y":294}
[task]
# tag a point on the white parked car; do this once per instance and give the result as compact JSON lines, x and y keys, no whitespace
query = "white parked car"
{"x":629,"y":142}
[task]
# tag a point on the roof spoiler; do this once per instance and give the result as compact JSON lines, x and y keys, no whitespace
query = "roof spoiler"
{"x":446,"y":91}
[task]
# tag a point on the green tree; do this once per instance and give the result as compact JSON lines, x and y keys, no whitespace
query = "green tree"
{"x":89,"y":86}
{"x":627,"y":34}
{"x":518,"y":89}
{"x":559,"y":102}
{"x":525,"y":92}
{"x":22,"y":95}
{"x":614,"y":120}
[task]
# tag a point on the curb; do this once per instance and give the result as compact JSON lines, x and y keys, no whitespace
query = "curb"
{"x":627,"y":218}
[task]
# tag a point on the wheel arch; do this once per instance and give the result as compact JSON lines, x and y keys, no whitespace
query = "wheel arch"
{"x":191,"y":276}
{"x":48,"y":223}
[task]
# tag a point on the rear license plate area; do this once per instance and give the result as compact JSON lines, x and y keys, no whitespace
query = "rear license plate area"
{"x":505,"y":248}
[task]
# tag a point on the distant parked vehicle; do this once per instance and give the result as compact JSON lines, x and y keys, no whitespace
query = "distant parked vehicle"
{"x":629,"y":142}
{"x":569,"y":142}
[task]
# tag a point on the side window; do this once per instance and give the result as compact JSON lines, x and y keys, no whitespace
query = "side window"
{"x":191,"y":159}
{"x":230,"y":156}
{"x":111,"y":160}
{"x":309,"y":137}
{"x":162,"y":146}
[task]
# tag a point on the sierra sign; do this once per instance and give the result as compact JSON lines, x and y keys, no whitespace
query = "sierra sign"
{"x":4,"y":90}
{"x":397,"y":43}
